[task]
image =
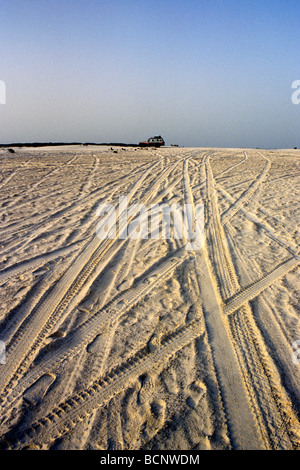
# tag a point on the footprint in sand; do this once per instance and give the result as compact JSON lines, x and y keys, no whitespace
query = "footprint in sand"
{"x":156,"y":418}
{"x":197,"y":392}
{"x":170,"y":381}
{"x":146,"y":392}
{"x":34,"y":394}
{"x":154,"y":342}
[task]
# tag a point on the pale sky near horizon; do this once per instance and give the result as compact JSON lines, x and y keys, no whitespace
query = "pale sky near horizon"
{"x":200,"y":73}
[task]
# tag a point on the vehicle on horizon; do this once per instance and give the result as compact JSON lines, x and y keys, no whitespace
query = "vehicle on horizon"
{"x":156,"y":141}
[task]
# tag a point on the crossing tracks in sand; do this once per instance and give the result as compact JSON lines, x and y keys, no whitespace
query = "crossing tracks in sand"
{"x":148,"y":343}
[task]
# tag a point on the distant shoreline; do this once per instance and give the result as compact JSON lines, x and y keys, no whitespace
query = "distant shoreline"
{"x":120,"y":144}
{"x":50,"y":144}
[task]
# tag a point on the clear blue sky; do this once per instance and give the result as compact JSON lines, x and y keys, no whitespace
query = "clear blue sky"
{"x":198,"y":72}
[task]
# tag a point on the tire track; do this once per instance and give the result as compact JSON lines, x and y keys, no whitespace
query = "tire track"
{"x":271,"y":326}
{"x":227,"y":279}
{"x":259,"y":373}
{"x":86,"y":333}
{"x":269,"y":401}
{"x":52,"y":309}
{"x":243,"y":429}
{"x":104,"y":341}
{"x":245,"y":196}
{"x":26,"y":341}
{"x":38,"y":183}
{"x":232,"y":166}
{"x":86,"y":186}
{"x":270,"y":232}
{"x":100,"y":347}
{"x":36,"y":262}
{"x":253,"y":290}
{"x":64,"y":417}
{"x":114,"y":244}
{"x":244,"y":365}
{"x":72,"y":209}
{"x":13,"y":174}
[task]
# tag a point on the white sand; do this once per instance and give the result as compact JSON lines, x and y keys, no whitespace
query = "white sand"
{"x":141,"y":344}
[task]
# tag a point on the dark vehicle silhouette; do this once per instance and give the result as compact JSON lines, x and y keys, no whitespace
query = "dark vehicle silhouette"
{"x":156,"y":141}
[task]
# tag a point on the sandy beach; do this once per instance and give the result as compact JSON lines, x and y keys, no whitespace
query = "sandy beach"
{"x":128,"y":343}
